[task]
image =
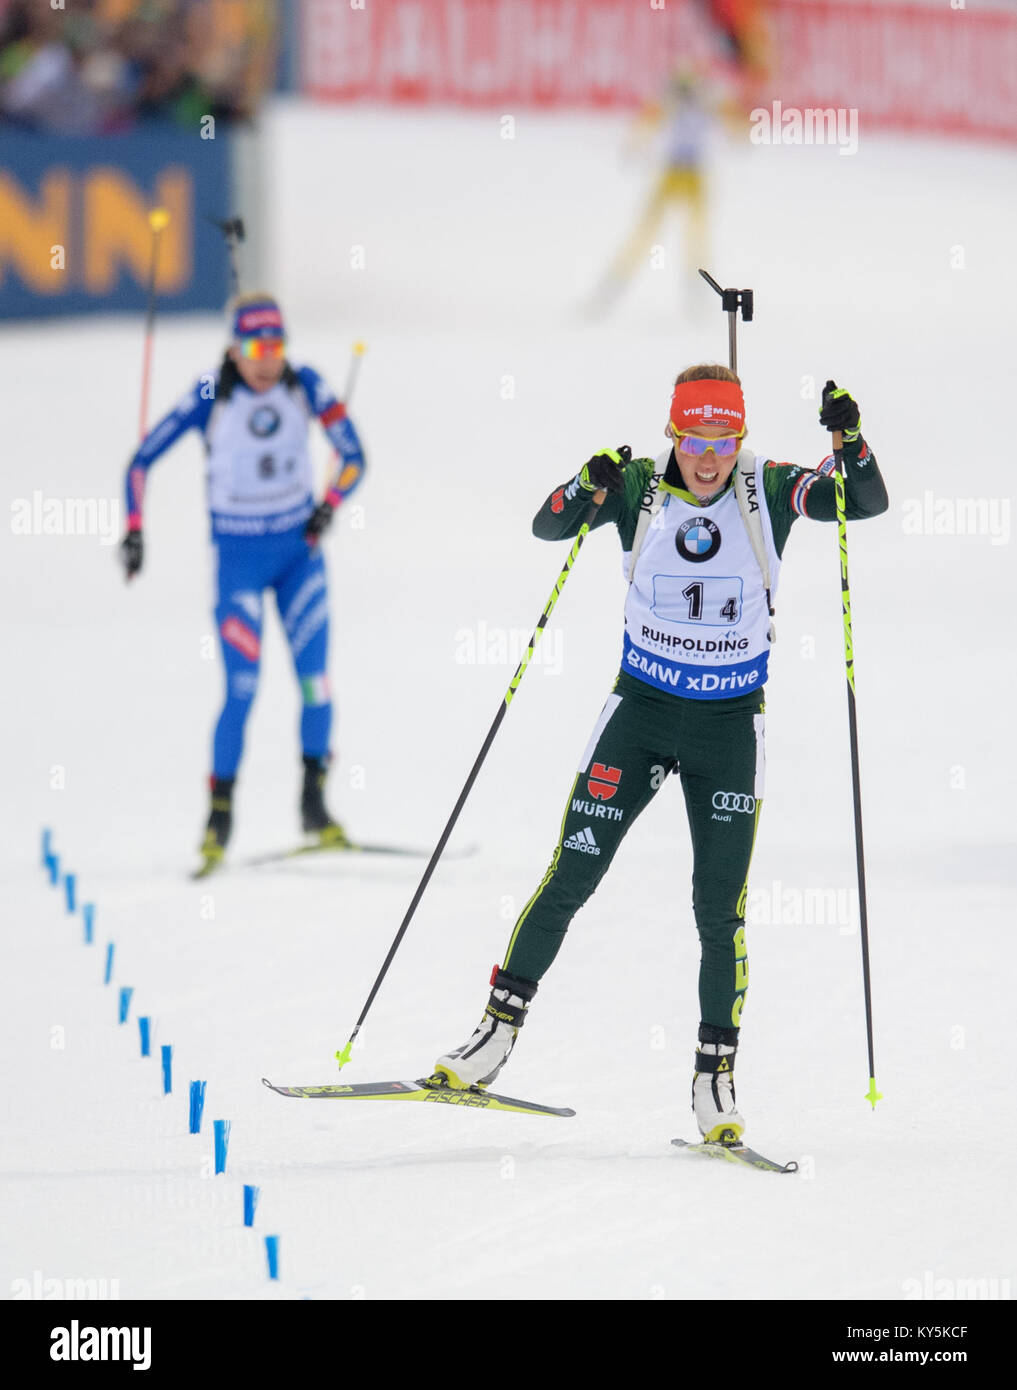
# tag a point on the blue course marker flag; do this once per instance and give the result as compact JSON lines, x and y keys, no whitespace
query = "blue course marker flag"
{"x":251,"y":1195}
{"x":221,"y":1132}
{"x":197,"y":1105}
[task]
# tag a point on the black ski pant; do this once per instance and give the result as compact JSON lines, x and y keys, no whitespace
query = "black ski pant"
{"x":642,"y":735}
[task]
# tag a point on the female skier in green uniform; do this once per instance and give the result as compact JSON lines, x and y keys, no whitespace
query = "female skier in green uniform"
{"x":703,"y":568}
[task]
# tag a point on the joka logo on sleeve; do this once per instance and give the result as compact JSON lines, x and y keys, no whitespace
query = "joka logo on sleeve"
{"x":603,"y":781}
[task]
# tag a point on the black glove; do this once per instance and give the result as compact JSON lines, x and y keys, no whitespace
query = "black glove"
{"x":840,"y":412}
{"x":132,"y":552}
{"x":605,"y":469}
{"x":319,"y":521}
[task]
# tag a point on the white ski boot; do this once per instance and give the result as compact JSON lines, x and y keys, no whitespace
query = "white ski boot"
{"x":713,"y":1091}
{"x":480,"y":1059}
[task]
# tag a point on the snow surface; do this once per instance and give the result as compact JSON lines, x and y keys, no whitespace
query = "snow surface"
{"x":483,"y":386}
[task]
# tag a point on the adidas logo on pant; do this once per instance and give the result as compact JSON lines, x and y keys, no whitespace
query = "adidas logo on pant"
{"x":583,"y":841}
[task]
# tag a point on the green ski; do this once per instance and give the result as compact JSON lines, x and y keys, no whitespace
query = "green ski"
{"x":422,"y":1090}
{"x":738,"y":1153}
{"x":282,"y":856}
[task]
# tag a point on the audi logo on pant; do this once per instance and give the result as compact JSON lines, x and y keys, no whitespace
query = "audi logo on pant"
{"x":733,"y":801}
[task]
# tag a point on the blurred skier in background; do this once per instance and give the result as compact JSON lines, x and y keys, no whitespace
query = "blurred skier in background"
{"x":253,"y":413}
{"x":686,"y":113}
{"x":697,"y":100}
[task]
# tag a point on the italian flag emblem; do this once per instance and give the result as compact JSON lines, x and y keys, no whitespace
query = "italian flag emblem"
{"x":315,"y":690}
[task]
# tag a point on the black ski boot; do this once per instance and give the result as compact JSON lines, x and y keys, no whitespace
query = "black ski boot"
{"x":314,"y":816}
{"x":220,"y":825}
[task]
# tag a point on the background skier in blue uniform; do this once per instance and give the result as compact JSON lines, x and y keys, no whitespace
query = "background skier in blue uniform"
{"x":253,"y":413}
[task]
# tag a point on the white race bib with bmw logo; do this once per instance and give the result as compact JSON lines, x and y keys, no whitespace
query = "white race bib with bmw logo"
{"x":696,"y":619}
{"x":259,"y":464}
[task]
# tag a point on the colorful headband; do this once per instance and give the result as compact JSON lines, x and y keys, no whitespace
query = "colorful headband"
{"x":708,"y":402}
{"x":260,"y":320}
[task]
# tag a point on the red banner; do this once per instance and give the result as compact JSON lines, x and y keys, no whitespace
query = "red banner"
{"x":900,"y":65}
{"x":489,"y":52}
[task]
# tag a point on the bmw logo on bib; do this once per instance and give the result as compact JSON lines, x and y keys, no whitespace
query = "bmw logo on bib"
{"x":698,"y":539}
{"x":264,"y":420}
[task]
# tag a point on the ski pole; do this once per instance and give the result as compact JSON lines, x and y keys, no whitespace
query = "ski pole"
{"x":233,"y":233}
{"x":343,"y":1056}
{"x":158,"y":220}
{"x":730,"y":302}
{"x":358,"y":351}
{"x":872,"y":1095}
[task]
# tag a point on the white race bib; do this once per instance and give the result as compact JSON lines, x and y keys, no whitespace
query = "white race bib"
{"x":697,"y":621}
{"x":259,"y":463}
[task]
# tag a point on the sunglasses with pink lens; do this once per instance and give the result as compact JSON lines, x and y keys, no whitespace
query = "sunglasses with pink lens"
{"x":692,"y":444}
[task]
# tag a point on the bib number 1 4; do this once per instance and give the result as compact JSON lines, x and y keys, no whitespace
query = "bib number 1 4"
{"x":695,"y":593}
{"x":715,"y":600}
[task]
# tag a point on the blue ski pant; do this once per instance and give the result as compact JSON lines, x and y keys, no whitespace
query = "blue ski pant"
{"x":295,"y":571}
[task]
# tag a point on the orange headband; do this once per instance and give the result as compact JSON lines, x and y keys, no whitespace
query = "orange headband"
{"x":708,"y":403}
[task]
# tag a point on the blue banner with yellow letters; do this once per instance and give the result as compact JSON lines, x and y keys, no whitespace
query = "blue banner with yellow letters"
{"x":75,"y":236}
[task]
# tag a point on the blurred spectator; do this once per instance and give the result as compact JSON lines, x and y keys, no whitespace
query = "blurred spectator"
{"x":109,"y":64}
